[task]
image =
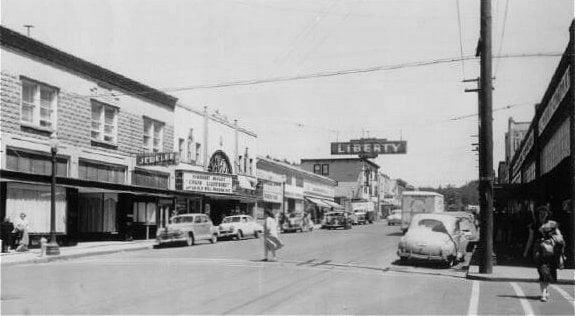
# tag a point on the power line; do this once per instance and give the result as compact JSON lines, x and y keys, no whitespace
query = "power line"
{"x":457,"y":118}
{"x":460,"y":39}
{"x":502,"y":35}
{"x":335,"y":73}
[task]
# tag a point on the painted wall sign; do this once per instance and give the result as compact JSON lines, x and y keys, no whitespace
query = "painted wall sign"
{"x":293,"y":192}
{"x":207,"y":182}
{"x":272,"y":192}
{"x":318,"y":190}
{"x":555,"y":101}
{"x":150,"y":159}
{"x":369,"y":147}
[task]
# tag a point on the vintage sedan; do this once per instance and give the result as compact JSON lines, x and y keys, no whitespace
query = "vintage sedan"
{"x":436,"y":237}
{"x":394,"y":218}
{"x":188,"y":228}
{"x":239,"y":226}
{"x":335,"y":220}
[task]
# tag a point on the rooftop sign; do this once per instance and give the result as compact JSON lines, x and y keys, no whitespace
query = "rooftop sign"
{"x":369,"y":147}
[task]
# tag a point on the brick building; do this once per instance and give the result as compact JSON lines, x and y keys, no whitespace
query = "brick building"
{"x":101,"y":122}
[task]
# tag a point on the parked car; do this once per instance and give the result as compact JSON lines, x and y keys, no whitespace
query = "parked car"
{"x":239,"y":226}
{"x":188,"y":228}
{"x":394,"y":218}
{"x":335,"y":220}
{"x":437,"y":237}
{"x":293,"y":223}
{"x":360,"y":218}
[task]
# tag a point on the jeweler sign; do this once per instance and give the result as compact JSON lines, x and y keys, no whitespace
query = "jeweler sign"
{"x":150,"y":159}
{"x":369,"y":147}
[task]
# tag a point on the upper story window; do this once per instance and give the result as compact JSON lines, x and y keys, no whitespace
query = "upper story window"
{"x":38,"y":104}
{"x":317,"y":168}
{"x":325,"y":169}
{"x":153,"y":135}
{"x":104,"y":122}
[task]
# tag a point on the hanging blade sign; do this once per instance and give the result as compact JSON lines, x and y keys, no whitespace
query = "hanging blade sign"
{"x":369,"y":147}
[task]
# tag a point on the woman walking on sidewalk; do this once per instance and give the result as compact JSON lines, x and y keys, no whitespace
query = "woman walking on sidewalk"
{"x":548,"y":245}
{"x":271,"y":236}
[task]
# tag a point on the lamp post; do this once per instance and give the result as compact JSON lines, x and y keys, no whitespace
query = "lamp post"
{"x":52,"y":248}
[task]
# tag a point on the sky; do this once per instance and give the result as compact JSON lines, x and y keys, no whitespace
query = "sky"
{"x":185,"y":44}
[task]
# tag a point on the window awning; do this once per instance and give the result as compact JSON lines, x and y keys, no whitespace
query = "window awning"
{"x":318,"y":202}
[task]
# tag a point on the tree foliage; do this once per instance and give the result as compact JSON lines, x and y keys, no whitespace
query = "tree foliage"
{"x":457,"y":197}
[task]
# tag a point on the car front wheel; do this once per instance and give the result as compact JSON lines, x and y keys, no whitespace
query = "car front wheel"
{"x":256,"y":234}
{"x":214,"y":239}
{"x":190,"y":240}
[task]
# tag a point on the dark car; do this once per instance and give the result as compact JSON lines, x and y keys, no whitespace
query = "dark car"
{"x":335,"y":220}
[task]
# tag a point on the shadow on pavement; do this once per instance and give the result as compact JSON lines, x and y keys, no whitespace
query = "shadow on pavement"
{"x":529,"y":297}
{"x":421,"y":264}
{"x":395,"y":234}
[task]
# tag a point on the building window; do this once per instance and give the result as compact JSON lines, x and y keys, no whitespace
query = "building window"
{"x":104,"y":122}
{"x":317,"y":168}
{"x":22,"y":161}
{"x":198,"y":148}
{"x":153,"y":135}
{"x":38,"y":104}
{"x":325,"y":169}
{"x":101,"y":172}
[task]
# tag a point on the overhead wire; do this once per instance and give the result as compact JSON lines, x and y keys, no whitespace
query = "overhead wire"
{"x":334,"y":73}
{"x":459,"y":27}
{"x":497,"y":62}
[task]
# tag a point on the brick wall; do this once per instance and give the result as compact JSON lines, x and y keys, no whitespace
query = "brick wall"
{"x":74,"y":121}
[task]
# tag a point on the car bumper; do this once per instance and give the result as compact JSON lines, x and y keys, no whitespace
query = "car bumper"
{"x":226,"y":233}
{"x":167,"y":240}
{"x":423,"y":256}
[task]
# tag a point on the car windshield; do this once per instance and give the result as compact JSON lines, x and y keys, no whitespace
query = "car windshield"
{"x":181,"y":219}
{"x":234,"y":219}
{"x":433,"y":224}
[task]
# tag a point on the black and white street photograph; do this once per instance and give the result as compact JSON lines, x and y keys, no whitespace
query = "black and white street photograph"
{"x":287,"y":157}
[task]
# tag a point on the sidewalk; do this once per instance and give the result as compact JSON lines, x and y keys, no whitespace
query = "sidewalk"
{"x":518,"y":274}
{"x":82,"y":249}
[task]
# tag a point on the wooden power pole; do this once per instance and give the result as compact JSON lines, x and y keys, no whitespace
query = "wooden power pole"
{"x":486,"y":142}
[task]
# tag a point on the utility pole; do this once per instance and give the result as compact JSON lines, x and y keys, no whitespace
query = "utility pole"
{"x":486,"y":141}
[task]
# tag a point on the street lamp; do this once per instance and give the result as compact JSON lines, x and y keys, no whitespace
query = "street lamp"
{"x":52,"y":248}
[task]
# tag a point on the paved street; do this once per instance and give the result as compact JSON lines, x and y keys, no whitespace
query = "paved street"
{"x":322,"y":272}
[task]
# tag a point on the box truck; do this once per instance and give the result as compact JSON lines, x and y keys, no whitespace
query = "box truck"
{"x":413,"y":202}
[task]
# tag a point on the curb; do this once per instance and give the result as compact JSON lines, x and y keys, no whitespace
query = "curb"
{"x":74,"y":256}
{"x":491,"y":278}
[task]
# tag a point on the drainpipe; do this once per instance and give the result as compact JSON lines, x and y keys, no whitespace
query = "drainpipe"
{"x":206,"y":119}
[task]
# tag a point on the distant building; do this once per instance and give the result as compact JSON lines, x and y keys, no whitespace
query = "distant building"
{"x":357,"y":179}
{"x":513,"y":137}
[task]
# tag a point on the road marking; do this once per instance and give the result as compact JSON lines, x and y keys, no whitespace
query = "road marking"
{"x":474,"y":300}
{"x":565,"y":295}
{"x":524,"y":303}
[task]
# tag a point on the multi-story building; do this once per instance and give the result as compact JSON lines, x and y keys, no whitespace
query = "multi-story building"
{"x":357,"y":180}
{"x":304,"y":191}
{"x":217,"y":162}
{"x":106,"y":128}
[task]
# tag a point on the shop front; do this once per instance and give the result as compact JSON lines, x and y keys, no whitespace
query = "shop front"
{"x":319,"y":199}
{"x":271,"y":198}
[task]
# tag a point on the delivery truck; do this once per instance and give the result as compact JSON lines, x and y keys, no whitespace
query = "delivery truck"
{"x":414,"y":202}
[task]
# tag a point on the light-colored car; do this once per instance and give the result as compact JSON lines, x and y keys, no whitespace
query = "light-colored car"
{"x":360,"y":218}
{"x":394,"y":218}
{"x":335,"y":220}
{"x":188,"y":228}
{"x":239,"y":226}
{"x":437,"y":237}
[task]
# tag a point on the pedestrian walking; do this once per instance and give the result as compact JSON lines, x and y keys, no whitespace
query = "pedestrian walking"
{"x":6,"y":231}
{"x":22,"y":227}
{"x":272,"y":243}
{"x":547,"y":242}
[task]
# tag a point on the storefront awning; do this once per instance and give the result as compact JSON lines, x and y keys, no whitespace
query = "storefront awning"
{"x":234,"y":197}
{"x":333,"y":204}
{"x":318,"y":202}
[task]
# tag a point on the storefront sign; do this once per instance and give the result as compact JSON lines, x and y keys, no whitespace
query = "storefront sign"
{"x":369,"y":147}
{"x":555,"y":101}
{"x":293,"y":192}
{"x":272,"y":192}
{"x":150,"y":159}
{"x":362,"y":206}
{"x":556,"y":149}
{"x":318,"y":190}
{"x":207,"y":182}
{"x":527,"y":146}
